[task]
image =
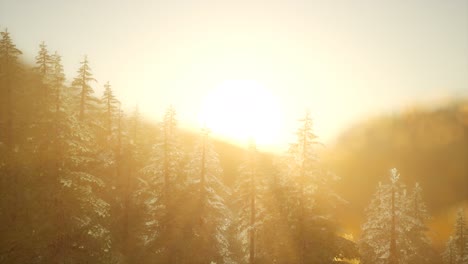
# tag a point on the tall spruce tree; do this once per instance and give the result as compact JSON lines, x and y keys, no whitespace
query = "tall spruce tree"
{"x":460,"y":237}
{"x":302,"y":170}
{"x":421,"y":249}
{"x":394,"y":231}
{"x":159,"y":190}
{"x":209,"y":222}
{"x":44,"y":69}
{"x":85,"y":91}
{"x":44,"y":66}
{"x":82,"y":210}
{"x":310,"y":200}
{"x":247,"y":193}
{"x":11,"y":209}
{"x":457,"y":246}
{"x":9,"y":69}
{"x":111,"y":105}
{"x":451,"y":254}
{"x":9,"y":75}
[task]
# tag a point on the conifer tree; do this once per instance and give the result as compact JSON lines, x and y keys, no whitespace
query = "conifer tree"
{"x":82,"y":213}
{"x":421,"y":249}
{"x":82,"y":83}
{"x":44,"y":69}
{"x":451,"y":254}
{"x":159,"y":189}
{"x":303,"y":167}
{"x":44,"y":107}
{"x":394,"y":231}
{"x":43,"y":61}
{"x":308,"y":215}
{"x":457,"y":246}
{"x":210,"y":218}
{"x":110,"y":105}
{"x":9,"y":75}
{"x":460,"y":237}
{"x":9,"y":67}
{"x":247,"y":193}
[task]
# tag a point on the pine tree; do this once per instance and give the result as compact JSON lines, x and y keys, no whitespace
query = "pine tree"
{"x":457,"y":245}
{"x":82,"y":229}
{"x":247,"y":193}
{"x":210,"y":218}
{"x":461,"y":237}
{"x":43,"y":63}
{"x":51,"y":81}
{"x":84,"y":212}
{"x":138,"y":155}
{"x":59,"y":115}
{"x":278,"y":246}
{"x":451,"y":254}
{"x":159,"y":190}
{"x":44,"y":69}
{"x":386,"y":236}
{"x":302,"y":170}
{"x":306,"y":181}
{"x":421,"y":249}
{"x":110,"y":105}
{"x":9,"y":67}
{"x":9,"y":73}
{"x":82,"y":83}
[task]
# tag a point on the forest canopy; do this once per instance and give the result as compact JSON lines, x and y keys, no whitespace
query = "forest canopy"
{"x":85,"y":182}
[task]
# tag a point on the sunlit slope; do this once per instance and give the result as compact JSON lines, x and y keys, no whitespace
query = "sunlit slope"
{"x":428,"y":145}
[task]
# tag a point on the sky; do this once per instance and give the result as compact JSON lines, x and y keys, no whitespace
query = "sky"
{"x":341,"y":60}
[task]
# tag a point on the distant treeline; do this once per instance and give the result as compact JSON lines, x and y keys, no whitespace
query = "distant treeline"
{"x":83,"y":182}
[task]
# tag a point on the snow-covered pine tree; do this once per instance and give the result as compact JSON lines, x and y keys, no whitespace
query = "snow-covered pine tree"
{"x":81,"y":212}
{"x":421,"y":249}
{"x":138,"y":154}
{"x":44,"y":130}
{"x":385,"y":233}
{"x":301,"y":171}
{"x":247,"y":194}
{"x":451,"y":254}
{"x":160,"y":183}
{"x":456,"y":249}
{"x":210,"y":218}
{"x":43,"y":110}
{"x":310,"y":200}
{"x":460,"y":237}
{"x":70,"y":226}
{"x":278,"y":246}
{"x":108,"y":134}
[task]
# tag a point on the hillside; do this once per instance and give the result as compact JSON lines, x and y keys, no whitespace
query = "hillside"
{"x":428,"y":145}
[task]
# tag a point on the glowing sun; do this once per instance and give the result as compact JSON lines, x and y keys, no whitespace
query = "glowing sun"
{"x":242,"y":109}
